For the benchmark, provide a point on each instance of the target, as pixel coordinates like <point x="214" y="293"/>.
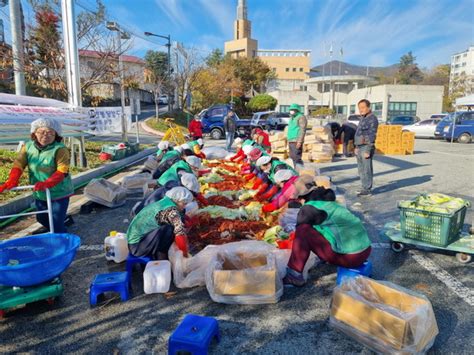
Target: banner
<point x="106" y="120"/>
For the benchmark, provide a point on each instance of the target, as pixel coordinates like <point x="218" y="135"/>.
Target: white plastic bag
<point x="135" y="183"/>
<point x="244" y="273"/>
<point x="215" y="152"/>
<point x="105" y="193"/>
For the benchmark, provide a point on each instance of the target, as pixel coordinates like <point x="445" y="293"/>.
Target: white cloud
<point x="222" y="12"/>
<point x="176" y="12"/>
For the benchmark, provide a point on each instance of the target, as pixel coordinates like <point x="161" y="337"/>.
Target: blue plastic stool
<point x="365" y="270"/>
<point x="133" y="260"/>
<point x="113" y="282"/>
<point x="194" y="335"/>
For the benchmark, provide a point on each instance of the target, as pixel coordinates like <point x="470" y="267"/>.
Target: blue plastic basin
<point x="32" y="260"/>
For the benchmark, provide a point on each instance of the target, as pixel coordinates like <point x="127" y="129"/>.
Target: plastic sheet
<point x="215" y="152"/>
<point x="135" y="183"/>
<point x="383" y="316"/>
<point x="287" y="219"/>
<point x="191" y="271"/>
<point x="105" y="193"/>
<point x="244" y="273"/>
<point x="151" y="164"/>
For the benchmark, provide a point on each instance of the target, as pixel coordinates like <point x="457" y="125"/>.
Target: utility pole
<point x="17" y="47"/>
<point x="72" y="56"/>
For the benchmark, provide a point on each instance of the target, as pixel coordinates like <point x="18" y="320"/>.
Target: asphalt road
<point x="298" y="324"/>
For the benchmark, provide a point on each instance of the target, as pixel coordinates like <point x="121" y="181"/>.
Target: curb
<point x="23" y="202"/>
<point x="150" y="130"/>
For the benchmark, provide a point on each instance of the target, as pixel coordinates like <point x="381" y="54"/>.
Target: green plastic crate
<point x="117" y="154"/>
<point x="432" y="227"/>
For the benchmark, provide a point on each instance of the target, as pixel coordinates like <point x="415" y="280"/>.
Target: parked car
<point x="355" y="119"/>
<point x="278" y="120"/>
<point x="260" y="119"/>
<point x="212" y="120"/>
<point x="163" y="100"/>
<point x="444" y="123"/>
<point x="463" y="126"/>
<point x="438" y="116"/>
<point x="403" y="120"/>
<point x="423" y="129"/>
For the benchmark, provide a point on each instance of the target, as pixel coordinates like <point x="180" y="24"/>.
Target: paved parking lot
<point x="299" y="322"/>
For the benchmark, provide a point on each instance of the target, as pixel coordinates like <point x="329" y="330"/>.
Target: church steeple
<point x="242" y="26"/>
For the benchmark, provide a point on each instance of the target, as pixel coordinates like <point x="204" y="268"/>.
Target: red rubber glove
<point x="201" y="155"/>
<point x="268" y="208"/>
<point x="261" y="190"/>
<point x="50" y="182"/>
<point x="182" y="244"/>
<point x="249" y="177"/>
<point x="238" y="157"/>
<point x="203" y="172"/>
<point x="202" y="200"/>
<point x="270" y="193"/>
<point x="13" y="179"/>
<point x="257" y="184"/>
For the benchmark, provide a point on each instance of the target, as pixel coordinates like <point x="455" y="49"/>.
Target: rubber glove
<point x="270" y="193"/>
<point x="13" y="179"/>
<point x="249" y="177"/>
<point x="257" y="184"/>
<point x="182" y="244"/>
<point x="261" y="190"/>
<point x="50" y="182"/>
<point x="268" y="208"/>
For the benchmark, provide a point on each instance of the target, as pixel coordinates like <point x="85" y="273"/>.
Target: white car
<point x="423" y="129"/>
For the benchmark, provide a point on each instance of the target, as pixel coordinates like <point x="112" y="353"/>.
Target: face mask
<point x="292" y="112"/>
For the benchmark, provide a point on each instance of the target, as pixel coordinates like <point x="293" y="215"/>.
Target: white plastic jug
<point x="157" y="277"/>
<point x="116" y="247"/>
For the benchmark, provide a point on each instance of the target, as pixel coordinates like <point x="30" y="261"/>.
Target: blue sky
<point x="371" y="32"/>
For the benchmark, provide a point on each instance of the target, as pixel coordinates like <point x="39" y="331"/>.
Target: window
<point x="303" y="88"/>
<point x="342" y="110"/>
<point x="377" y="108"/>
<point x="301" y="69"/>
<point x="286" y="108"/>
<point x="287" y="69"/>
<point x="401" y="109"/>
<point x="274" y="69"/>
<point x="216" y="112"/>
<point x="294" y="69"/>
<point x="352" y="109"/>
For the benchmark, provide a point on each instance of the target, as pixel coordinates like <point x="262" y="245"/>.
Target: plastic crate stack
<point x="392" y="141"/>
<point x="279" y="145"/>
<point x="319" y="145"/>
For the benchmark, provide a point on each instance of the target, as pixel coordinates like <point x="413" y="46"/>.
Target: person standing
<point x="364" y="142"/>
<point x="195" y="128"/>
<point x="230" y="127"/>
<point x="47" y="159"/>
<point x="295" y="135"/>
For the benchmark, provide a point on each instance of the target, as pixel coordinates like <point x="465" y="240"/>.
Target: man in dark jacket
<point x="348" y="130"/>
<point x="364" y="142"/>
<point x="230" y="127"/>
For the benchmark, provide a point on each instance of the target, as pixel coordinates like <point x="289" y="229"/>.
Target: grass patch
<point x="180" y="119"/>
<point x="93" y="149"/>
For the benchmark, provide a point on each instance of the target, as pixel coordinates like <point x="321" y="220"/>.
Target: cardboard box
<point x="279" y="136"/>
<point x="383" y="316"/>
<point x="279" y="145"/>
<point x="308" y="172"/>
<point x="281" y="156"/>
<point x="244" y="274"/>
<point x="306" y="157"/>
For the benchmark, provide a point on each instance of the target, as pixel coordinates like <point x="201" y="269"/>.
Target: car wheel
<point x="216" y="134"/>
<point x="464" y="138"/>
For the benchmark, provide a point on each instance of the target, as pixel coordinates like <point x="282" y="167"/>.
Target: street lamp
<point x="113" y="26"/>
<point x="168" y="38"/>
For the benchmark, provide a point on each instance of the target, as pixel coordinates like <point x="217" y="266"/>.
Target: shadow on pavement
<point x="416" y="180"/>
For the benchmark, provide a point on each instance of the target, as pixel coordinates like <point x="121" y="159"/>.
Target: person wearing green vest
<point x="168" y="159"/>
<point x="191" y="165"/>
<point x="329" y="230"/>
<point x="295" y="135"/>
<point x="158" y="224"/>
<point x="164" y="151"/>
<point x="196" y="147"/>
<point x="240" y="144"/>
<point x="265" y="185"/>
<point x="47" y="159"/>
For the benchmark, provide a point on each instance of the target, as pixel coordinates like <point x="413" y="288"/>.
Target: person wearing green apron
<point x="265" y="185"/>
<point x="196" y="147"/>
<point x="327" y="229"/>
<point x="295" y="135"/>
<point x="159" y="224"/>
<point x="47" y="159"/>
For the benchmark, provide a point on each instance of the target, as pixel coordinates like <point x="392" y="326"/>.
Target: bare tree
<point x="187" y="64"/>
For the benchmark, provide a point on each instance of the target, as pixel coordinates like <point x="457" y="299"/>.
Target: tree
<point x="252" y="72"/>
<point x="156" y="63"/>
<point x="439" y="75"/>
<point x="262" y="102"/>
<point x="408" y="71"/>
<point x="215" y="58"/>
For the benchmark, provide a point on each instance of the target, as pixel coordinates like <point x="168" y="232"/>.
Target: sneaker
<point x="293" y="278"/>
<point x="364" y="193"/>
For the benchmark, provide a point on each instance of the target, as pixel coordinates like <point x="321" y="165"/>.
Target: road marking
<point x="380" y="245"/>
<point x="455" y="154"/>
<point x="450" y="281"/>
<point x="92" y="247"/>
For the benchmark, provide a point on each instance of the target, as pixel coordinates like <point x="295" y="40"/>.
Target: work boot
<point x="293" y="278"/>
<point x="364" y="193"/>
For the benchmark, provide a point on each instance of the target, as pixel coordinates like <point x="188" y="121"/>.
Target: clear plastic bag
<point x="215" y="152"/>
<point x="105" y="193"/>
<point x="135" y="183"/>
<point x="287" y="219"/>
<point x="244" y="273"/>
<point x="383" y="316"/>
<point x="151" y="164"/>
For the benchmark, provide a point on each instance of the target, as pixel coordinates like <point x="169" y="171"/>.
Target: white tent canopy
<point x="465" y="101"/>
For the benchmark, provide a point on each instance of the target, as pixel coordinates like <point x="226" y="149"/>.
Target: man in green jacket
<point x="295" y="135"/>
